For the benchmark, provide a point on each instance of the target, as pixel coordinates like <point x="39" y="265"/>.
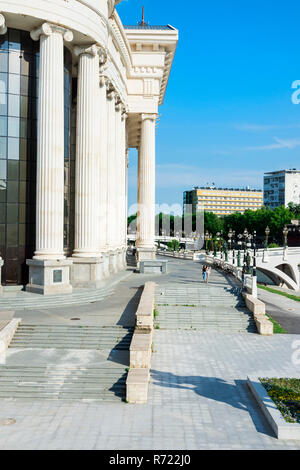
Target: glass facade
<point x="19" y="65"/>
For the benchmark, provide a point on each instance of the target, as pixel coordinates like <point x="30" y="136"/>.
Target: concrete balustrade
<point x="140" y="349"/>
<point x="144" y="314"/>
<point x="258" y="308"/>
<point x="7" y="333"/>
<point x="137" y="386"/>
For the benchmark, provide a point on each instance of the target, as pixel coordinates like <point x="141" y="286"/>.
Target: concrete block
<point x="137" y="386"/>
<point x="264" y="326"/>
<point x="87" y="272"/>
<point x="254" y="305"/>
<point x="154" y="267"/>
<point x="140" y="351"/>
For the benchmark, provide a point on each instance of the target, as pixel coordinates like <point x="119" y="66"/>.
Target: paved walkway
<point x="283" y="310"/>
<point x="198" y="396"/>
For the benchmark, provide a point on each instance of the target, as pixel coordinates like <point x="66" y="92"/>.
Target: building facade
<point x="221" y="201"/>
<point x="281" y="187"/>
<point x="77" y="90"/>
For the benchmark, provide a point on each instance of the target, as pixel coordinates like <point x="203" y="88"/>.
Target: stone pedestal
<point x="87" y="272"/>
<point x="121" y="263"/>
<point x="146" y="254"/>
<point x="1" y="264"/>
<point x="49" y="277"/>
<point x="153" y="267"/>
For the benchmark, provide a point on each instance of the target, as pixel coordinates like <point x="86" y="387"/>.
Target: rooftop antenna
<point x="143" y="23"/>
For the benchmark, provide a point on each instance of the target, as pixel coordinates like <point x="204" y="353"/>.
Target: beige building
<point x="221" y="201"/>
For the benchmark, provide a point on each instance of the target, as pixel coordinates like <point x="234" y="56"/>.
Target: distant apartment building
<point x="281" y="187"/>
<point x="221" y="201"/>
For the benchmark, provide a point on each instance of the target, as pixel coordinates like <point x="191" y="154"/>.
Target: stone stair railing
<point x="141" y="347"/>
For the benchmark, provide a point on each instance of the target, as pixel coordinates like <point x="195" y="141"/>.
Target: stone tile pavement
<point x="198" y="397"/>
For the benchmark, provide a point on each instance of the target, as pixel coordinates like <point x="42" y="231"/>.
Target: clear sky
<point x="228" y="115"/>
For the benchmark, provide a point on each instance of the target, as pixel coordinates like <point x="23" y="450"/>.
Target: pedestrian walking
<point x="208" y="272"/>
<point x="204" y="272"/>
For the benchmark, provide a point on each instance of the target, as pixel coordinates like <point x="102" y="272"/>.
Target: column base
<point x="87" y="272"/>
<point x="105" y="268"/>
<point x="113" y="262"/>
<point x="1" y="264"/>
<point x="49" y="277"/>
<point x="146" y="254"/>
<point x="154" y="267"/>
<point x="121" y="259"/>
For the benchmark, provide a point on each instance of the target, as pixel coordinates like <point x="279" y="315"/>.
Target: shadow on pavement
<point x="236" y="395"/>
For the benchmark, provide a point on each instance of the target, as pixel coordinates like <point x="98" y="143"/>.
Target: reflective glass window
<point x="12" y="213"/>
<point x="14" y="39"/>
<point x="12" y="235"/>
<point x="13" y="148"/>
<point x="13" y="127"/>
<point x="3" y="147"/>
<point x="12" y="191"/>
<point x="14" y="83"/>
<point x="12" y="169"/>
<point x="2" y="169"/>
<point x="14" y="105"/>
<point x="3" y="103"/>
<point x="14" y="62"/>
<point x="3" y="82"/>
<point x="3" y="126"/>
<point x="3" y="61"/>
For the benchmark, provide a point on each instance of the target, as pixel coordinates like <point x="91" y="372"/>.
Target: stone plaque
<point x="57" y="275"/>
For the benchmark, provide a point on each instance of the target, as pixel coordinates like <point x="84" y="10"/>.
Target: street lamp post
<point x="254" y="277"/>
<point x="240" y="236"/>
<point x="285" y="234"/>
<point x="245" y="246"/>
<point x="267" y="232"/>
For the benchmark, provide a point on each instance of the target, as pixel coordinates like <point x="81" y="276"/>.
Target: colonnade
<point x="100" y="230"/>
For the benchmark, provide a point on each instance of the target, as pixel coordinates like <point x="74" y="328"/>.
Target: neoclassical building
<point x="77" y="90"/>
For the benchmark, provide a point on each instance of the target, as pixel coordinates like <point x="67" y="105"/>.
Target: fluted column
<point x="146" y="189"/>
<point x="118" y="177"/>
<point x="50" y="144"/>
<point x="3" y="28"/>
<point x="111" y="151"/>
<point x="123" y="180"/>
<point x="87" y="155"/>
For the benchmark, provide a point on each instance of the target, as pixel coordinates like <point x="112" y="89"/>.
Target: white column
<point x="111" y="143"/>
<point x="118" y="176"/>
<point x="124" y="181"/>
<point x="146" y="189"/>
<point x="87" y="155"/>
<point x="103" y="177"/>
<point x="50" y="145"/>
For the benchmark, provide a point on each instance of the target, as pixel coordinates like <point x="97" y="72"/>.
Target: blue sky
<point x="228" y="115"/>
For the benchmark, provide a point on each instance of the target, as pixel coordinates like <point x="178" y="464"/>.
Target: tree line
<point x="251" y="220"/>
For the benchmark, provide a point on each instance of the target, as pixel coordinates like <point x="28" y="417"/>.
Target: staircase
<point x="26" y="300"/>
<point x="204" y="308"/>
<point x="105" y="383"/>
<point x="72" y="337"/>
<point x="83" y="365"/>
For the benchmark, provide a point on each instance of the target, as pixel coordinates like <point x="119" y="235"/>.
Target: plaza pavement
<point x="198" y="396"/>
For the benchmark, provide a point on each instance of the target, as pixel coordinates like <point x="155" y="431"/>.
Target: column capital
<point x="93" y="50"/>
<point x="152" y="117"/>
<point x="47" y="29"/>
<point x="3" y="28"/>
